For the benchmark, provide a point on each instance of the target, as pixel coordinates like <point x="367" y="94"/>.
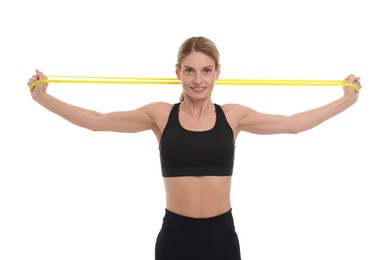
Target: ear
<point x="178" y="72"/>
<point x="218" y="71"/>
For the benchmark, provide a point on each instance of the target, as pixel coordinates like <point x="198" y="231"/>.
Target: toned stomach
<point x="198" y="196"/>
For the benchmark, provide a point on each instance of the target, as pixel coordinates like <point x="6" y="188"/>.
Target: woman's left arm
<point x="259" y="123"/>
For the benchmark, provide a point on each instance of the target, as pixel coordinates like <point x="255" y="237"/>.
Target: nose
<point x="198" y="80"/>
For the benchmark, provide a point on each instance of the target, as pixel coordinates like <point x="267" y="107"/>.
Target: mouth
<point x="198" y="89"/>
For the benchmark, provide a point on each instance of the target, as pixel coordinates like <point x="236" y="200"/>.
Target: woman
<point x="196" y="140"/>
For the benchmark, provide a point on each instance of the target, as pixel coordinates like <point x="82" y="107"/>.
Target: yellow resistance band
<point x="173" y="81"/>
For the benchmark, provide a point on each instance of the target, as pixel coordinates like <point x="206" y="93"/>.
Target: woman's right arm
<point x="133" y="121"/>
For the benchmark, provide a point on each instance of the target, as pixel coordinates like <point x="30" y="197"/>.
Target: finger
<point x="349" y="77"/>
<point x="357" y="83"/>
<point x="40" y="75"/>
<point x="352" y="78"/>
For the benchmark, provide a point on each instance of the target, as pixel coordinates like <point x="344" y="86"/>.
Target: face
<point x="197" y="74"/>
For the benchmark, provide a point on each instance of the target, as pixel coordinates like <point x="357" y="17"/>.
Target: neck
<point x="197" y="108"/>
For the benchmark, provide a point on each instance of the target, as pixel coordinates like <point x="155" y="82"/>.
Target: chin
<point x="199" y="97"/>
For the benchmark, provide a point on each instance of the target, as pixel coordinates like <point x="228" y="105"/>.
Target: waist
<point x="210" y="227"/>
<point x="198" y="197"/>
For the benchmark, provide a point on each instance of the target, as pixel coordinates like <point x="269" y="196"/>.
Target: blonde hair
<point x="199" y="44"/>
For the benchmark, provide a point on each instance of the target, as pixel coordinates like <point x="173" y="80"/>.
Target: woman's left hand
<point x="350" y="91"/>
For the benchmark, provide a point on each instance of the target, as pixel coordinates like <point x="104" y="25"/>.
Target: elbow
<point x="94" y="129"/>
<point x="300" y="128"/>
<point x="294" y="131"/>
<point x="290" y="125"/>
<point x="95" y="122"/>
<point x="296" y="126"/>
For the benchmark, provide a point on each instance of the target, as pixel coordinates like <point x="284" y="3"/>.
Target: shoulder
<point x="156" y="107"/>
<point x="157" y="110"/>
<point x="236" y="110"/>
<point x="235" y="114"/>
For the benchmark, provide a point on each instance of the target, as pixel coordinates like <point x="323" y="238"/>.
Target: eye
<point x="188" y="71"/>
<point x="206" y="71"/>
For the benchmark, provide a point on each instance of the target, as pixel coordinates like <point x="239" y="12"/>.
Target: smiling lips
<point x="198" y="89"/>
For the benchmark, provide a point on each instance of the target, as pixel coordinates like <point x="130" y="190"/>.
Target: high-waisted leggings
<point x="185" y="238"/>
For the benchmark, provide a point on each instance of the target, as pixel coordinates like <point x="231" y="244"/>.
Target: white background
<point x="69" y="193"/>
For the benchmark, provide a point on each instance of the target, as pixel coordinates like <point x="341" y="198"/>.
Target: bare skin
<point x="205" y="196"/>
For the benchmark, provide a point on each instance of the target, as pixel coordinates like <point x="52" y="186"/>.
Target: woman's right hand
<point x="40" y="88"/>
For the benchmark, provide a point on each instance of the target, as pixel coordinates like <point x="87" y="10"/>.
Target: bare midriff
<point x="198" y="196"/>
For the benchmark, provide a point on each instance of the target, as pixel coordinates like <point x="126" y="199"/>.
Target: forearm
<point x="76" y="115"/>
<point x="311" y="118"/>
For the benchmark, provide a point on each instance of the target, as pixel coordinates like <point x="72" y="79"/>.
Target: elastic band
<point x="173" y="81"/>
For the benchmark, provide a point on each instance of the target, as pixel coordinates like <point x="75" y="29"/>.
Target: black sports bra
<point x="197" y="153"/>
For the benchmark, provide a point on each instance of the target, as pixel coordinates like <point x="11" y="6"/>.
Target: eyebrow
<point x="206" y="67"/>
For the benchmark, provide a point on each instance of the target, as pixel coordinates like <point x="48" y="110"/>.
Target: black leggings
<point x="184" y="238"/>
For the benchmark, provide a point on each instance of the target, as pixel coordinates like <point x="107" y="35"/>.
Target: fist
<point x="39" y="88"/>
